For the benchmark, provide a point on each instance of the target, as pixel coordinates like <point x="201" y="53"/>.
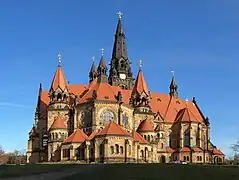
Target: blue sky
<point x="199" y="40"/>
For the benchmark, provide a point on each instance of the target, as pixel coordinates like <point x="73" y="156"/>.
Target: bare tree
<point x="1" y="150"/>
<point x="235" y="147"/>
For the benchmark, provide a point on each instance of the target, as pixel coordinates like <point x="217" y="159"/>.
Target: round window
<point x="107" y="116"/>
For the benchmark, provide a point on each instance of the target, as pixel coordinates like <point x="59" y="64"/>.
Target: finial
<point x="140" y="64"/>
<point x="93" y="59"/>
<point x="186" y="100"/>
<point x="119" y="15"/>
<point x="59" y="59"/>
<point x="102" y="51"/>
<point x="172" y="73"/>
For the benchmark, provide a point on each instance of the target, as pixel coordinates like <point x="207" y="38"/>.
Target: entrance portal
<point x="163" y="159"/>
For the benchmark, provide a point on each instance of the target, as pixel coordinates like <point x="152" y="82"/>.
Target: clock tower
<point x="120" y="70"/>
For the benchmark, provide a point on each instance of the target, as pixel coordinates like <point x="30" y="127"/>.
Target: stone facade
<point x="117" y="122"/>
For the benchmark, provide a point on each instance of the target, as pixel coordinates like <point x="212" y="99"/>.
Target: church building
<point x="117" y="119"/>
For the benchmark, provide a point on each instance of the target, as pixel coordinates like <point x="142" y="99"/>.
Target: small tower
<point x="58" y="91"/>
<point x="93" y="70"/>
<point x="102" y="70"/>
<point x="140" y="97"/>
<point x="173" y="87"/>
<point x="120" y="70"/>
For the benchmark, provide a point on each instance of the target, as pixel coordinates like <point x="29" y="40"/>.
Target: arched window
<point x="186" y="138"/>
<point x="187" y="158"/>
<point x="59" y="97"/>
<point x="101" y="149"/>
<point x="158" y="135"/>
<point x="129" y="149"/>
<point x="112" y="149"/>
<point x="161" y="145"/>
<point x="194" y="139"/>
<point x="52" y="136"/>
<point x="148" y="137"/>
<point x="121" y="150"/>
<point x="117" y="149"/>
<point x="197" y="158"/>
<point x="184" y="158"/>
<point x="142" y="154"/>
<point x="200" y="158"/>
<point x="56" y="136"/>
<point x="145" y="137"/>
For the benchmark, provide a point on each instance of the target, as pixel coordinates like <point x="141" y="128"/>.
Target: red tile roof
<point x="113" y="129"/>
<point x="185" y="149"/>
<point x="59" y="80"/>
<point x="185" y="115"/>
<point x="59" y="123"/>
<point x="145" y="126"/>
<point x="217" y="152"/>
<point x="170" y="150"/>
<point x="197" y="149"/>
<point x="77" y="89"/>
<point x="140" y="84"/>
<point x="138" y="138"/>
<point x="76" y="137"/>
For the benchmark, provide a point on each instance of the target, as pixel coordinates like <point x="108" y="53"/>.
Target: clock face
<point x="122" y="76"/>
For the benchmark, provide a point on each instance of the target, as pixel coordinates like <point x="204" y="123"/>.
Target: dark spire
<point x="93" y="70"/>
<point x="120" y="73"/>
<point x="102" y="69"/>
<point x="119" y="49"/>
<point x="173" y="87"/>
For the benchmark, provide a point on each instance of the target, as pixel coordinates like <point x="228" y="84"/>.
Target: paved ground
<point x="57" y="175"/>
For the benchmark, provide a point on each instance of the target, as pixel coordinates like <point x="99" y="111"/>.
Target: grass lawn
<point x="128" y="171"/>
<point x="159" y="171"/>
<point x="30" y="169"/>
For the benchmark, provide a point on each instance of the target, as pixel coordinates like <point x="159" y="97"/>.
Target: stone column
<point x="137" y="152"/>
<point x="93" y="116"/>
<point x="200" y="137"/>
<point x="97" y="157"/>
<point x="62" y="154"/>
<point x="87" y="152"/>
<point x="72" y="153"/>
<point x="106" y="150"/>
<point x="181" y="136"/>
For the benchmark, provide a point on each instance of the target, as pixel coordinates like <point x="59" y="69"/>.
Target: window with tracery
<point x="186" y="138"/>
<point x="125" y="120"/>
<point x="107" y="116"/>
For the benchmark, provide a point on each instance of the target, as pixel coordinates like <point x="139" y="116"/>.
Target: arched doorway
<point x="163" y="159"/>
<point x="217" y="160"/>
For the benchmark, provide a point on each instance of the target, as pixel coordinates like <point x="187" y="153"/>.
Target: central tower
<point x="120" y="70"/>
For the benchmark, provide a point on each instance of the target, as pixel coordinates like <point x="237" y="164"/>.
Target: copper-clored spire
<point x="140" y="96"/>
<point x="59" y="80"/>
<point x="140" y="86"/>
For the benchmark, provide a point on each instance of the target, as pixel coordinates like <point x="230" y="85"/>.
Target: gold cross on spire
<point x="102" y="51"/>
<point x="59" y="59"/>
<point x="140" y="64"/>
<point x="119" y="15"/>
